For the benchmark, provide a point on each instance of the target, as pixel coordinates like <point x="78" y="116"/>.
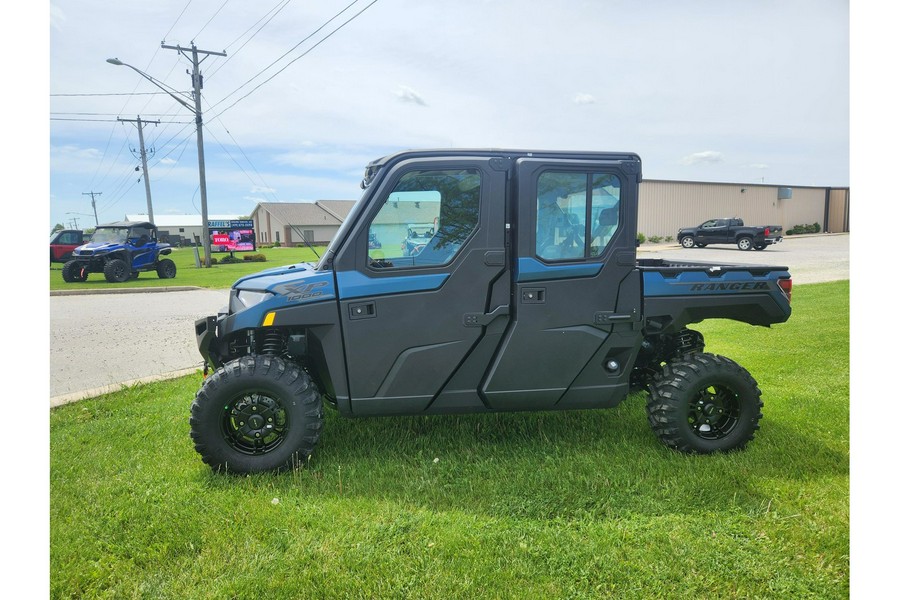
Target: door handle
<point x="484" y="319"/>
<point x="362" y="310"/>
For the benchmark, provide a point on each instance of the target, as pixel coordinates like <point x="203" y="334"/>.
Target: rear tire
<point x="704" y="403"/>
<point x="116" y="271"/>
<point x="166" y="269"/>
<point x="745" y="243"/>
<point x="761" y="246"/>
<point x="256" y="413"/>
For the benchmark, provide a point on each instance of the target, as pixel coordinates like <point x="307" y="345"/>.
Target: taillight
<point x="766" y="232"/>
<point x="787" y="286"/>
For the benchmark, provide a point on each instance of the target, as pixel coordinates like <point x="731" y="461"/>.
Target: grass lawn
<point x="536" y="505"/>
<point x="215" y="277"/>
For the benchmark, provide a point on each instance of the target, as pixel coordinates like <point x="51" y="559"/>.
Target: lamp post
<point x="198" y="117"/>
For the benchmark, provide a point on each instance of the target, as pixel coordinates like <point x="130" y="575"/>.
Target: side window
<point x="577" y="214"/>
<point x="709" y="224"/>
<point x="140" y="235"/>
<point x="425" y="219"/>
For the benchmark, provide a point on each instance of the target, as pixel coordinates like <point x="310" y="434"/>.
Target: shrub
<point x="669" y="238"/>
<point x="654" y="239"/>
<point x="800" y="229"/>
<point x="229" y="260"/>
<point x="255" y="257"/>
<point x="641" y="238"/>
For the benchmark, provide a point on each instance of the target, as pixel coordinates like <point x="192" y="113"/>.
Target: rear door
<point x="422" y="305"/>
<point x="576" y="292"/>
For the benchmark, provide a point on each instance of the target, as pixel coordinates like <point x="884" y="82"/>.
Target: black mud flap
<point x="205" y="329"/>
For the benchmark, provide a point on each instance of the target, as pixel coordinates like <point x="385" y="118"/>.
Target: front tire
<point x="687" y="241"/>
<point x="704" y="403"/>
<point x="116" y="271"/>
<point x="745" y="244"/>
<point x="166" y="269"/>
<point x="256" y="413"/>
<point x="73" y="272"/>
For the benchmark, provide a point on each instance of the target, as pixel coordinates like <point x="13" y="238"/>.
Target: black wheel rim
<point x="254" y="424"/>
<point x="714" y="412"/>
<point x="119" y="273"/>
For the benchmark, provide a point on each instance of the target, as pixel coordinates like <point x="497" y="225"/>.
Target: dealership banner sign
<point x="232" y="236"/>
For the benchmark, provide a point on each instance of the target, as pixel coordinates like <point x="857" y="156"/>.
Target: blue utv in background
<point x="121" y="251"/>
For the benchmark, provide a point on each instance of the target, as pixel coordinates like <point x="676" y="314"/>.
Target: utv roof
<point x="376" y="165"/>
<point x="129" y="224"/>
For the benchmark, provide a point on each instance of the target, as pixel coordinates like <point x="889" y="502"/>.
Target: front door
<point x="424" y="287"/>
<point x="714" y="231"/>
<point x="576" y="316"/>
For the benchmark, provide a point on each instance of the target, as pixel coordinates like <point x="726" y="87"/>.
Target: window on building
<point x="577" y="214"/>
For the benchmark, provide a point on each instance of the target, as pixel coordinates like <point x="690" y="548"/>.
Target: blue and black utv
<point x="121" y="251"/>
<point x="528" y="295"/>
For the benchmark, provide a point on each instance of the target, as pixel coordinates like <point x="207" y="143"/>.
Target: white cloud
<point x="581" y="98"/>
<point x="707" y="157"/>
<point x="167" y="161"/>
<point x="757" y="166"/>
<point x="407" y="94"/>
<point x="259" y="189"/>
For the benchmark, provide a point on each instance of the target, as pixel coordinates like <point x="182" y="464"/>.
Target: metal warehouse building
<point x="665" y="206"/>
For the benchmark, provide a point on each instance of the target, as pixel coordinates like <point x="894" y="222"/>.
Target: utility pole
<point x="93" y="204"/>
<point x="197" y="79"/>
<point x="140" y="128"/>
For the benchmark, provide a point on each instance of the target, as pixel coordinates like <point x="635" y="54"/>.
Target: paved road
<point x="811" y="259"/>
<point x="98" y="342"/>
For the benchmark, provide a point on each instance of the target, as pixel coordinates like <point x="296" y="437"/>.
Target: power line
<point x="210" y="20"/>
<point x="91" y="114"/>
<point x="112" y="94"/>
<point x="183" y="10"/>
<point x="110" y="121"/>
<point x="344" y="24"/>
<point x="282" y="3"/>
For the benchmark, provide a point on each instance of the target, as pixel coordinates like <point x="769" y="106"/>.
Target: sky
<point x="310" y="91"/>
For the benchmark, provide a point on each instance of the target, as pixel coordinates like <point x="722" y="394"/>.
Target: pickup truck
<point x="63" y="242"/>
<point x="528" y="296"/>
<point x="730" y="231"/>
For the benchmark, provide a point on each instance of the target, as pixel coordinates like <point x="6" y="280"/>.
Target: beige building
<point x="666" y="206"/>
<point x="298" y="223"/>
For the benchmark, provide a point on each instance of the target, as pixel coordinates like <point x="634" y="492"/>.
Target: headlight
<point x="248" y="298"/>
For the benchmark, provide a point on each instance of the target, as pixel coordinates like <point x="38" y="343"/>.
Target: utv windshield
<point x="105" y="235"/>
